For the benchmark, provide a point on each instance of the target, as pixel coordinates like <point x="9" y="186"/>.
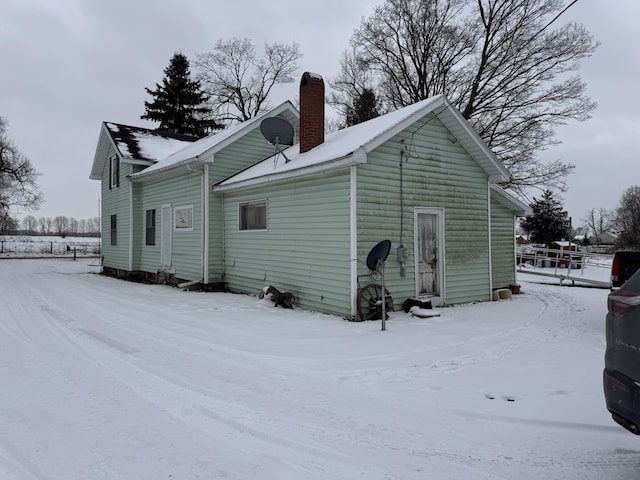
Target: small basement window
<point x="253" y="215"/>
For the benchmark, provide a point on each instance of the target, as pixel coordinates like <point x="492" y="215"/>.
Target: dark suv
<point x="621" y="375"/>
<point x="624" y="265"/>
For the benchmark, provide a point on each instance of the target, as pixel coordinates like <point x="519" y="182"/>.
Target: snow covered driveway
<point x="105" y="379"/>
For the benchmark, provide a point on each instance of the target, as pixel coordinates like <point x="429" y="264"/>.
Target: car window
<point x="633" y="283"/>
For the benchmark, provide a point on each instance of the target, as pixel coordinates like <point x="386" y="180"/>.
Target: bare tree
<point x="93" y="225"/>
<point x="18" y="178"/>
<point x="45" y="224"/>
<point x="239" y="81"/>
<point x="73" y="225"/>
<point x="354" y="79"/>
<point x="628" y="218"/>
<point x="598" y="222"/>
<point x="30" y="224"/>
<point x="62" y="224"/>
<point x="8" y="225"/>
<point x="504" y="64"/>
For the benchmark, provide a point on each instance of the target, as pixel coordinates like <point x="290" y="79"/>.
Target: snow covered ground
<point x="105" y="379"/>
<point x="47" y="245"/>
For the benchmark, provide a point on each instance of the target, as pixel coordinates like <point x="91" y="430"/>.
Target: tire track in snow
<point x="198" y="406"/>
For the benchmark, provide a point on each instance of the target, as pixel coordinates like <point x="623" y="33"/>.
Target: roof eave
<point x="516" y="206"/>
<point x="354" y="158"/>
<point x="249" y="125"/>
<point x="473" y="143"/>
<point x="98" y="163"/>
<point x="144" y="175"/>
<point x="378" y="140"/>
<point x="210" y="152"/>
<point x="443" y="110"/>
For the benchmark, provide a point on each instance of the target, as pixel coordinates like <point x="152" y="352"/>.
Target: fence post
<point x="51" y="248"/>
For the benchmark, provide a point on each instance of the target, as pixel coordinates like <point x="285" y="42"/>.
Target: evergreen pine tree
<point x="549" y="222"/>
<point x="179" y="104"/>
<point x="364" y="108"/>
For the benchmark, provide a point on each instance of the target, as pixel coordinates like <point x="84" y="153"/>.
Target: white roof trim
<point x="512" y="203"/>
<point x="354" y="158"/>
<point x="340" y="143"/>
<point x="203" y="150"/>
<point x="98" y="165"/>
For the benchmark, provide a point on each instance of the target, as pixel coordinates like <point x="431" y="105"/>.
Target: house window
<point x="114" y="231"/>
<point x="253" y="215"/>
<point x="150" y="227"/>
<point x="114" y="172"/>
<point x="183" y="218"/>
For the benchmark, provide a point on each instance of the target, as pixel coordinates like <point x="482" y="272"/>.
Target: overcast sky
<point x="68" y="65"/>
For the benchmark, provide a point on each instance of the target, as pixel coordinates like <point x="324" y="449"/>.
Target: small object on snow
<point x="502" y="294"/>
<point x="284" y="299"/>
<point x="412" y="302"/>
<point x="423" y="312"/>
<point x="506" y="398"/>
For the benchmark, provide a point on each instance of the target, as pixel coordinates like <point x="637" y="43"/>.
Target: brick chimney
<point x="311" y="111"/>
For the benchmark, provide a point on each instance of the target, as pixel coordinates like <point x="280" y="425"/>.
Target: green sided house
<point x="230" y="208"/>
<point x="420" y="177"/>
<point x="159" y="218"/>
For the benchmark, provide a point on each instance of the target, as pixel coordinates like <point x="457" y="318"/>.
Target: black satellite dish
<point x="277" y="131"/>
<point x="375" y="261"/>
<point x="378" y="255"/>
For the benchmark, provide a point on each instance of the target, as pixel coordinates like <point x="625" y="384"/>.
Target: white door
<point x="428" y="252"/>
<point x="165" y="238"/>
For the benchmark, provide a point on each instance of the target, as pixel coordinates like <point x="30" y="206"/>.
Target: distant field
<point x="37" y="246"/>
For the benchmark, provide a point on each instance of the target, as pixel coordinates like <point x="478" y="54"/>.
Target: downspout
<point x="401" y="250"/>
<point x="353" y="239"/>
<point x="205" y="224"/>
<point x="224" y="236"/>
<point x="130" y="224"/>
<point x="490" y="240"/>
<point x="515" y="250"/>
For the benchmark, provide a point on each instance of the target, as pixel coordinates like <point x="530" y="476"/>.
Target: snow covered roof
<point x="204" y="149"/>
<point x="135" y="145"/>
<point x="143" y="144"/>
<point x="564" y="243"/>
<point x="350" y="146"/>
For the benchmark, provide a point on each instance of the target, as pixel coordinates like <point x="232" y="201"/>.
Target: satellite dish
<point x="378" y="255"/>
<point x="375" y="262"/>
<point x="277" y="131"/>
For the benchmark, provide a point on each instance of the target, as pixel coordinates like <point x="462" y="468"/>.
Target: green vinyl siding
<point x="305" y="249"/>
<point x="244" y="152"/>
<point x="186" y="246"/>
<point x="115" y="201"/>
<point x="436" y="173"/>
<point x="502" y="246"/>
